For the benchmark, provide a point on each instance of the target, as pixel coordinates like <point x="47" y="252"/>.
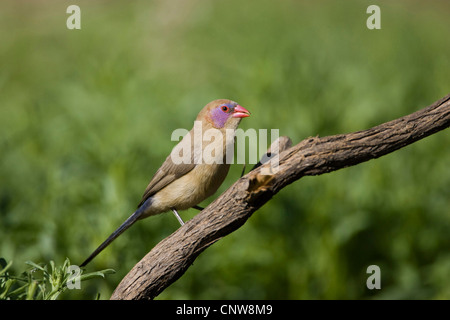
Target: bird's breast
<point x="190" y="189"/>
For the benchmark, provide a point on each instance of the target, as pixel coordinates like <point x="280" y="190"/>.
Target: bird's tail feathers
<point x="124" y="226"/>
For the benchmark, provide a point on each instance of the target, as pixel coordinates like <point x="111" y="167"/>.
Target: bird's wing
<point x="167" y="173"/>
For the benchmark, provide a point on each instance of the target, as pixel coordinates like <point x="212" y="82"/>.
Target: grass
<point x="86" y="117"/>
<point x="43" y="282"/>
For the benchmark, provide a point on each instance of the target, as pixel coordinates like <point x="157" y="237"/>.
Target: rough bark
<point x="170" y="258"/>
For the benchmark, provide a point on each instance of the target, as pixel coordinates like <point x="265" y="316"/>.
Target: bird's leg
<point x="177" y="216"/>
<point x="198" y="208"/>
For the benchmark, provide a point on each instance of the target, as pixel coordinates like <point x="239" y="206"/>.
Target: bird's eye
<point x="225" y="108"/>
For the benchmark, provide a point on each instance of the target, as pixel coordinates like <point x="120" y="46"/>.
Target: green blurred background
<point x="86" y="117"/>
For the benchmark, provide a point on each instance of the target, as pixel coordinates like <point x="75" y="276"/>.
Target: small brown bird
<point x="180" y="185"/>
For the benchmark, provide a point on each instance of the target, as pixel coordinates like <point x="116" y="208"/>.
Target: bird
<point x="180" y="185"/>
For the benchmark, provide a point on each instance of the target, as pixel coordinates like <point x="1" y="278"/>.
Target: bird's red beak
<point x="240" y="112"/>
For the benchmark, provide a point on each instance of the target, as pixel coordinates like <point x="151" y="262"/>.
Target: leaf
<point x="97" y="274"/>
<point x="4" y="265"/>
<point x="35" y="265"/>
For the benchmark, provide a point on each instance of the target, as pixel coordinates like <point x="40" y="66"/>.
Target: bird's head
<point x="223" y="114"/>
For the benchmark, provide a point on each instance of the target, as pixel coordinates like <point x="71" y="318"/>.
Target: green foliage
<point x="86" y="118"/>
<point x="42" y="281"/>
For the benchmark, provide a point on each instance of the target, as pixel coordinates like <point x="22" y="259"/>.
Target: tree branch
<point x="170" y="258"/>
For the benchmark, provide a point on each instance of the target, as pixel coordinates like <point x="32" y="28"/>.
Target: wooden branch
<point x="170" y="258"/>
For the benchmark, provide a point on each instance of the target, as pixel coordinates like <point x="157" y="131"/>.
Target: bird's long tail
<point x="124" y="226"/>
